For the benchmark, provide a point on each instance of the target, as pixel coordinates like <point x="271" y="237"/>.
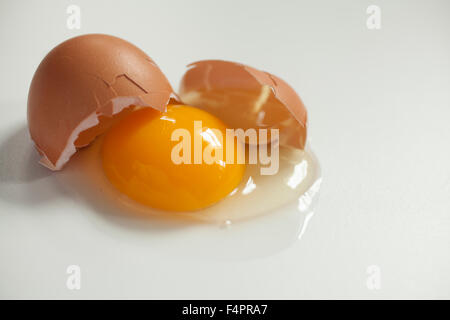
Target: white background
<point x="379" y="111"/>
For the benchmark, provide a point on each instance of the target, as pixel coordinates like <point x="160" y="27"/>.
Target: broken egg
<point x="235" y="149"/>
<point x="294" y="188"/>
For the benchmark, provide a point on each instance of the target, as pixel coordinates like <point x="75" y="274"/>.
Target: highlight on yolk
<point x="137" y="159"/>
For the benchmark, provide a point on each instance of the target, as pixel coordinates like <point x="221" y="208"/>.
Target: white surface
<point x="379" y="110"/>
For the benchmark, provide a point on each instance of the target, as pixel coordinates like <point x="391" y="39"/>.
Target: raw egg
<point x="231" y="146"/>
<point x="294" y="187"/>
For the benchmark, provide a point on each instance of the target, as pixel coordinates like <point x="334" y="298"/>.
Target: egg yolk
<point x="141" y="158"/>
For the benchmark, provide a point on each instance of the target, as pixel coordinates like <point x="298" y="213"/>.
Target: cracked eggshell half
<point x="81" y="84"/>
<point x="244" y="97"/>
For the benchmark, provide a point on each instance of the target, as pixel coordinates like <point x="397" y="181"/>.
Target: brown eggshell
<point x="81" y="84"/>
<point x="244" y="97"/>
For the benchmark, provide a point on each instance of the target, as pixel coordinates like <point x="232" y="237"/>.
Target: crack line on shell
<point x="122" y="75"/>
<point x="96" y="100"/>
<point x="275" y="84"/>
<point x="113" y="91"/>
<point x="152" y="62"/>
<point x="129" y="79"/>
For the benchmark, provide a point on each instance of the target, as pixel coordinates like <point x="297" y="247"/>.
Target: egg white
<point x="294" y="186"/>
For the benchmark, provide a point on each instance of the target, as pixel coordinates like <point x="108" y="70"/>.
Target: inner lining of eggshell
<point x="92" y="126"/>
<point x="104" y="123"/>
<point x="119" y="108"/>
<point x="243" y="108"/>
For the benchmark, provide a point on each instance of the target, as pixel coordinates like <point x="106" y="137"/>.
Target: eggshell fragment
<point x="244" y="97"/>
<point x="81" y="84"/>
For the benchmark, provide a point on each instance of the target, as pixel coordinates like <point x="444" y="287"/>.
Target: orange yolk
<point x="140" y="156"/>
